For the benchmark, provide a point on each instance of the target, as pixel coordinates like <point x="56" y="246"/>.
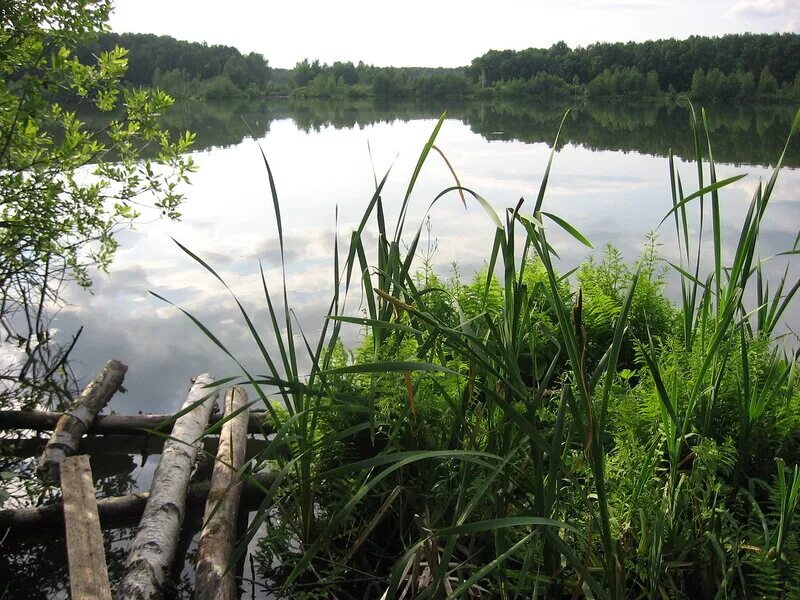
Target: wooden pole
<point x="88" y="574"/>
<point x="123" y="445"/>
<point x="119" y="511"/>
<point x="73" y="424"/>
<point x="116" y="424"/>
<point x="153" y="548"/>
<point x="213" y="579"/>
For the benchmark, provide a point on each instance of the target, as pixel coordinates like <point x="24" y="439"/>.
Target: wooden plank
<point x="72" y="425"/>
<point x="88" y="573"/>
<point x="153" y="548"/>
<point x="213" y="579"/>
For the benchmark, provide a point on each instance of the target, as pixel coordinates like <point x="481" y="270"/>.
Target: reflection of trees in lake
<point x="33" y="565"/>
<point x="36" y="567"/>
<point x="228" y="123"/>
<point x="751" y="134"/>
<point x="740" y="134"/>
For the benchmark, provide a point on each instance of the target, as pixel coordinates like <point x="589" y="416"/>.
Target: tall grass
<point x="472" y="446"/>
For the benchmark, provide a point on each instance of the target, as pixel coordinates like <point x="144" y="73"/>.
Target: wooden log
<point x="73" y="424"/>
<point x="153" y="548"/>
<point x="122" y="445"/>
<point x="88" y="573"/>
<point x="120" y="511"/>
<point x="116" y="424"/>
<point x="213" y="579"/>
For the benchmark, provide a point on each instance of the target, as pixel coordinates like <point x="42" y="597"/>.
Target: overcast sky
<point x="439" y="33"/>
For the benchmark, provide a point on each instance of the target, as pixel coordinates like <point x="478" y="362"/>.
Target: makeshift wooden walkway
<point x="160" y="513"/>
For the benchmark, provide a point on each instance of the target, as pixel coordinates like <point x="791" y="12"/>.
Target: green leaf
<point x="569" y="229"/>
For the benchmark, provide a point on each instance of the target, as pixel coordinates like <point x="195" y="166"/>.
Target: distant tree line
<point x="731" y="67"/>
<point x="186" y="69"/>
<point x="345" y="79"/>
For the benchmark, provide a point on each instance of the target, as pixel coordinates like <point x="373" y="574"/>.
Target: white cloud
<point x="759" y="8"/>
<point x="624" y="4"/>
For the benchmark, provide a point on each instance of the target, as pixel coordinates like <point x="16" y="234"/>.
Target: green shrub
<point x="221" y="88"/>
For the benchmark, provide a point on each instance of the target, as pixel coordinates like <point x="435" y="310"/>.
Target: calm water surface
<point x="609" y="179"/>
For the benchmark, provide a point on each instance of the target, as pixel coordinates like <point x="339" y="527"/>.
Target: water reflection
<point x="609" y="179"/>
<point x="752" y="134"/>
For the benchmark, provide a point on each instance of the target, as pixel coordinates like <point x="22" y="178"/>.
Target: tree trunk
<point x="115" y="424"/>
<point x="73" y="424"/>
<point x="153" y="548"/>
<point x="213" y="579"/>
<point x="119" y="511"/>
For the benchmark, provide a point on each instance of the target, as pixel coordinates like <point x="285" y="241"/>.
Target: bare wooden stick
<point x="115" y="424"/>
<point x="119" y="511"/>
<point x="73" y="424"/>
<point x="88" y="573"/>
<point x="213" y="579"/>
<point x="153" y="548"/>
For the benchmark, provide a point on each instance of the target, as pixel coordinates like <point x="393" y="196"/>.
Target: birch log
<point x="73" y="424"/>
<point x="213" y="579"/>
<point x="153" y="548"/>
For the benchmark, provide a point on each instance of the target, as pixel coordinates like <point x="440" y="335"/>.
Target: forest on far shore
<point x="736" y="67"/>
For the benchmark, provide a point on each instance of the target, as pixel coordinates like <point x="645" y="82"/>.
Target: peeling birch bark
<point x="73" y="424"/>
<point x="153" y="548"/>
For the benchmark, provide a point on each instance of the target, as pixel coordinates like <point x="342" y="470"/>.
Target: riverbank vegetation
<point x="531" y="433"/>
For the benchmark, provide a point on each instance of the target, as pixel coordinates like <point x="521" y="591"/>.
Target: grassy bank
<point x="530" y="433"/>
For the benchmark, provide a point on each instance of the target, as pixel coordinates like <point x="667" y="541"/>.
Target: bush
<point x="221" y="88"/>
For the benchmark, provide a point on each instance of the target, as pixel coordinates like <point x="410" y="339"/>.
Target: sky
<point x="439" y="33"/>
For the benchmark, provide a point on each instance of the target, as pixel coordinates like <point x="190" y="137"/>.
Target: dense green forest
<point x="728" y="68"/>
<point x="722" y="67"/>
<point x="190" y="69"/>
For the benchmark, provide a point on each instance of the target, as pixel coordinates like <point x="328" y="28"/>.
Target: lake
<point x="609" y="179"/>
